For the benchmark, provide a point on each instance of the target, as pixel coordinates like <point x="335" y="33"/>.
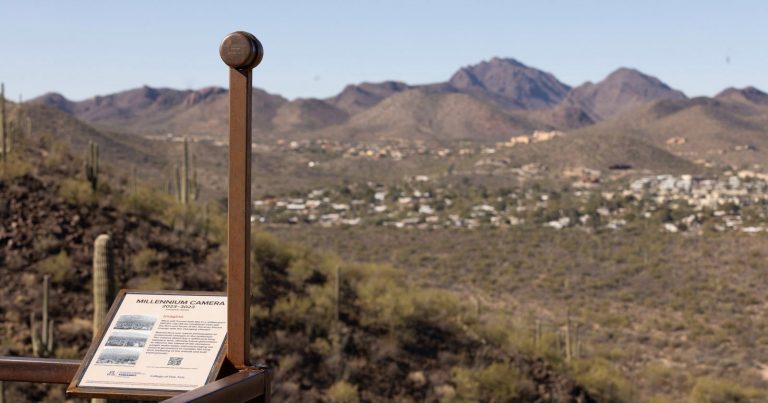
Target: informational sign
<point x="155" y="344"/>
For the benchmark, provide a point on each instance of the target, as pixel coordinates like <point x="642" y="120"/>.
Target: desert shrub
<point x="190" y="217"/>
<point x="143" y="260"/>
<point x="76" y="191"/>
<point x="292" y="310"/>
<point x="384" y="299"/>
<point x="498" y="382"/>
<point x="273" y="262"/>
<point x="147" y="201"/>
<point x="59" y="266"/>
<point x="467" y="387"/>
<point x="514" y="336"/>
<point x="408" y="312"/>
<point x="46" y="244"/>
<point x="259" y="312"/>
<point x="286" y="364"/>
<point x="661" y="399"/>
<point x="323" y="311"/>
<point x="322" y="347"/>
<point x="14" y="167"/>
<point x="303" y="267"/>
<point x="268" y="254"/>
<point x="603" y="380"/>
<point x="715" y="390"/>
<point x="59" y="155"/>
<point x="523" y="340"/>
<point x="67" y="352"/>
<point x="439" y="306"/>
<point x="310" y="313"/>
<point x="658" y="373"/>
<point x="343" y="392"/>
<point x="306" y="264"/>
<point x="151" y="282"/>
<point x="216" y="223"/>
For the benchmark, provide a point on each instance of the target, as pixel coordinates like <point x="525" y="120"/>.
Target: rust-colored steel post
<point x="242" y="52"/>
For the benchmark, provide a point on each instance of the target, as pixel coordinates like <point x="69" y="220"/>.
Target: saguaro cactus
<point x="3" y="131"/>
<point x="177" y="181"/>
<point x="42" y="343"/>
<point x="568" y="340"/>
<point x="103" y="284"/>
<point x="10" y="133"/>
<point x="169" y="180"/>
<point x="194" y="185"/>
<point x="92" y="164"/>
<point x="185" y="174"/>
<point x="103" y="279"/>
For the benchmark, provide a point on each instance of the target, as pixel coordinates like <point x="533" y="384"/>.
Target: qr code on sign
<point x="175" y="360"/>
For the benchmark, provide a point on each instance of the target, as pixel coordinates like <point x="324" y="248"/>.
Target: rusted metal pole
<point x="242" y="52"/>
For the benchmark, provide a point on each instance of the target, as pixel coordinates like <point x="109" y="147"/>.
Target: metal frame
<point x="238" y="380"/>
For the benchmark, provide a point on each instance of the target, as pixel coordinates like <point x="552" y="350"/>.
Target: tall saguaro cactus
<point x="10" y="132"/>
<point x="185" y="174"/>
<point x="103" y="279"/>
<point x="177" y="181"/>
<point x="42" y="343"/>
<point x="568" y="340"/>
<point x="92" y="164"/>
<point x="186" y="188"/>
<point x="3" y="131"/>
<point x="194" y="186"/>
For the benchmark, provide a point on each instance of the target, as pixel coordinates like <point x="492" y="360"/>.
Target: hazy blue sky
<point x="314" y="48"/>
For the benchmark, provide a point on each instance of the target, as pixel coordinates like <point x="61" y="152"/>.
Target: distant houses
<point x="420" y="202"/>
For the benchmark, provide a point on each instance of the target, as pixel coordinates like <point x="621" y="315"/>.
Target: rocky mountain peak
<point x="510" y="83"/>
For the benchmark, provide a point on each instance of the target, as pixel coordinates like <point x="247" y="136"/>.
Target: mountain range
<point x="487" y="102"/>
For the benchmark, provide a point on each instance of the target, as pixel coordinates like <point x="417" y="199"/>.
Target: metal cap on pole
<point x="242" y="52"/>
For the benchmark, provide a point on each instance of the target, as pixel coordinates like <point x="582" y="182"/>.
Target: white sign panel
<point x="157" y="341"/>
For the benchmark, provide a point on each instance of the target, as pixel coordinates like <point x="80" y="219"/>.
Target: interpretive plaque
<point x="155" y="344"/>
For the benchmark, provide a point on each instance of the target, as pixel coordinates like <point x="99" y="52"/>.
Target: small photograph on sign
<point x="119" y="355"/>
<point x="136" y="322"/>
<point x="128" y="339"/>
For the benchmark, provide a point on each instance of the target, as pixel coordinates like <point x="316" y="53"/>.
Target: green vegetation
<point x="353" y="322"/>
<point x="343" y="392"/>
<point x="714" y="390"/>
<point x="604" y="380"/>
<point x="433" y="314"/>
<point x="147" y="201"/>
<point x="144" y="261"/>
<point x="76" y="191"/>
<point x="59" y="267"/>
<point x="654" y="309"/>
<point x="15" y="167"/>
<point x="497" y="382"/>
